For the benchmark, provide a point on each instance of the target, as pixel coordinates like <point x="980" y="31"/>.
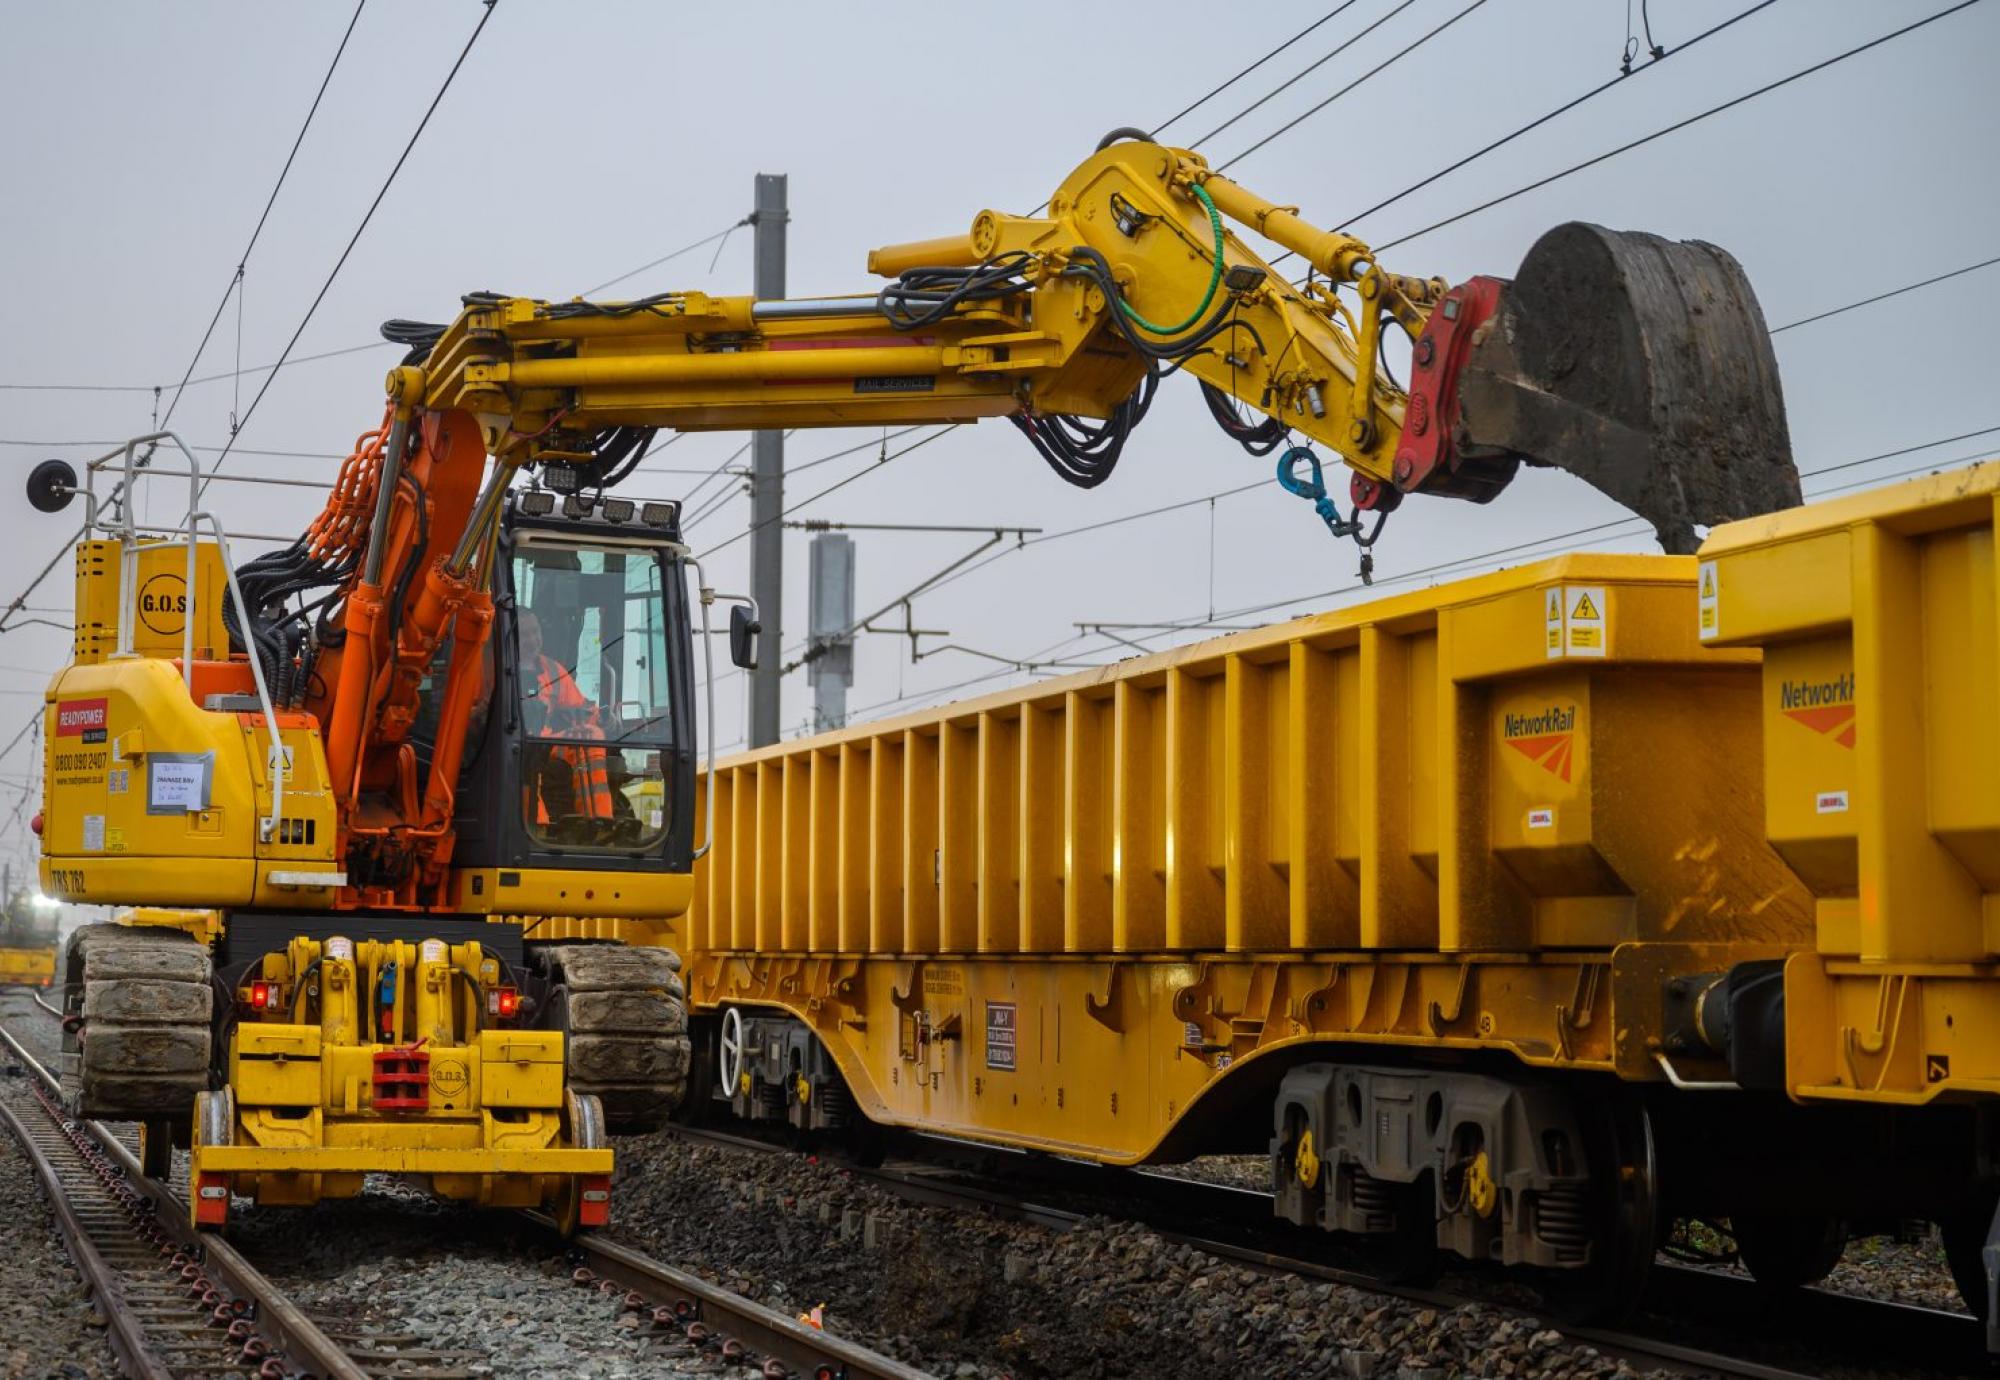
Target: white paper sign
<point x="93" y="833"/>
<point x="176" y="785"/>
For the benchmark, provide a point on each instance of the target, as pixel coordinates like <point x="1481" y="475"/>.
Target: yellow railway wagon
<point x="1879" y="621"/>
<point x="1516" y="918"/>
<point x="1372" y="890"/>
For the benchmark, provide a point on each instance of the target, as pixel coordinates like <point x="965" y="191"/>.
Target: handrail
<point x="126" y="529"/>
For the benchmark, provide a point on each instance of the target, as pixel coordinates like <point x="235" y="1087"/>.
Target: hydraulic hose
<point x="1214" y="276"/>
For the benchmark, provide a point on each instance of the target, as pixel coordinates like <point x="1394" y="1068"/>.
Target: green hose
<point x="1214" y="277"/>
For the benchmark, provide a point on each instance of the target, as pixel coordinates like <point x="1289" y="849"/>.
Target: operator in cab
<point x="570" y="782"/>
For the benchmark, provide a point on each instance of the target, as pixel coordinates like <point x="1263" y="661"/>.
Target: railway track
<point x="1743" y="1326"/>
<point x="183" y="1304"/>
<point x="174" y="1306"/>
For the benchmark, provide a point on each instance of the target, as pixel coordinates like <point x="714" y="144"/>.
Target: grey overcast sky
<point x="583" y="139"/>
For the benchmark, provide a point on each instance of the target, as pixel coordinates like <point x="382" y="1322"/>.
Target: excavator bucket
<point x="1643" y="366"/>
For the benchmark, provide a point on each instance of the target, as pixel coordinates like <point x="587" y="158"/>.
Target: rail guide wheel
<point x="214" y="1124"/>
<point x="583" y="1129"/>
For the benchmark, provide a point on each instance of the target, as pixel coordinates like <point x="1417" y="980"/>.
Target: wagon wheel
<point x="729" y="1051"/>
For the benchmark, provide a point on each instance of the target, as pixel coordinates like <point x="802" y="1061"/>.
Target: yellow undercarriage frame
<point x="391" y="1057"/>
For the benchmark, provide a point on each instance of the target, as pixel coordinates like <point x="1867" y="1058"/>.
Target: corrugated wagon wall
<point x="1541" y="758"/>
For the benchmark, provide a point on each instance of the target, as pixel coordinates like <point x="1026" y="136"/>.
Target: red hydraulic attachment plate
<point x="402" y="1079"/>
<point x="1432" y="412"/>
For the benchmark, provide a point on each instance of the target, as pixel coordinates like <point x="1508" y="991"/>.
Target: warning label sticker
<point x="1710" y="613"/>
<point x="1542" y="817"/>
<point x="93" y="833"/>
<point x="1577" y="621"/>
<point x="1830" y="802"/>
<point x="1585" y="626"/>
<point x="1000" y="1035"/>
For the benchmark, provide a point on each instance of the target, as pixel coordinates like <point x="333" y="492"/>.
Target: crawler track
<point x="1694" y="1320"/>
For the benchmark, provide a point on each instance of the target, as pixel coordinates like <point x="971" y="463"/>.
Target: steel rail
<point x="727" y="1316"/>
<point x="284" y="1326"/>
<point x="122" y="1329"/>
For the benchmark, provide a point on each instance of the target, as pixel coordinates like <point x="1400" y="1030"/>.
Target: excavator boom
<point x="1641" y="365"/>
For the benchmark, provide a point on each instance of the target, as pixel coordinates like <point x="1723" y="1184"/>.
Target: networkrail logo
<point x="1824" y="706"/>
<point x="1547" y="739"/>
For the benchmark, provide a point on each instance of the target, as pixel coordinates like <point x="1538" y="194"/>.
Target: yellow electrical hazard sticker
<point x="1709" y="602"/>
<point x="1577" y="621"/>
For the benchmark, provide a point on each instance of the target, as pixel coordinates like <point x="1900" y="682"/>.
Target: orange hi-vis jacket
<point x="589" y="766"/>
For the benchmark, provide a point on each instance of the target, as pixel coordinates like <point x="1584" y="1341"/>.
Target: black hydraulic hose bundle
<point x="923" y="297"/>
<point x="1260" y="439"/>
<point x="1085" y="452"/>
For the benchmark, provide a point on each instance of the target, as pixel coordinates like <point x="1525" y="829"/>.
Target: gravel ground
<point x="454" y="1279"/>
<point x="969" y="1295"/>
<point x="1881" y="1267"/>
<point x="1234" y="1171"/>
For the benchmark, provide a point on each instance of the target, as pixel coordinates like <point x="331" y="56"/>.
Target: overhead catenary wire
<point x="1379" y="67"/>
<point x="1885" y="296"/>
<point x="485" y="16"/>
<point x="1679" y="125"/>
<point x="879" y="444"/>
<point x="842" y="483"/>
<point x="721" y="234"/>
<point x="1573" y="103"/>
<point x="243" y="259"/>
<point x="323" y="354"/>
<point x="1480" y="558"/>
<point x="1301" y="75"/>
<point x="1221" y="87"/>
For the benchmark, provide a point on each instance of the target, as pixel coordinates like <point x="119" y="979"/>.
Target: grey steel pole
<point x="767" y="480"/>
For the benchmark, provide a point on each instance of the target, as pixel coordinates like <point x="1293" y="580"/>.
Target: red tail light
<point x="260" y="996"/>
<point x="503" y="1002"/>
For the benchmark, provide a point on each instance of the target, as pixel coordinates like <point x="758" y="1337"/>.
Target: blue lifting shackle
<point x="1314" y="489"/>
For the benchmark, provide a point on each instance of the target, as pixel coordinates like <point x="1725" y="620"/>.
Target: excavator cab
<point x="581" y="756"/>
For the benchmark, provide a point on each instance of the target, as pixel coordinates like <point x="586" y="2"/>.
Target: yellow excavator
<point x="397" y="813"/>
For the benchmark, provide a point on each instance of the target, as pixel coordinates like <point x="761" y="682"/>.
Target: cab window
<point x="590" y="633"/>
